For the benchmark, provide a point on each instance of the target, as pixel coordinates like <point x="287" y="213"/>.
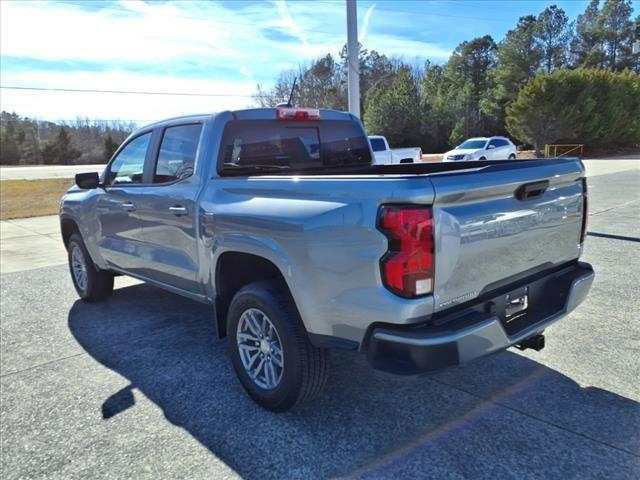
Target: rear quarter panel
<point x="321" y="233"/>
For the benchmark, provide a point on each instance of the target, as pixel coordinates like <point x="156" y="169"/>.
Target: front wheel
<point x="91" y="283"/>
<point x="512" y="157"/>
<point x="271" y="354"/>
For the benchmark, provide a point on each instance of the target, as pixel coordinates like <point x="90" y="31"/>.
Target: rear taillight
<point x="298" y="114"/>
<point x="585" y="210"/>
<point x="408" y="266"/>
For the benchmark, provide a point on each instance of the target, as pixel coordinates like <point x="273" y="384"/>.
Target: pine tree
<point x="395" y="111"/>
<point x="616" y="30"/>
<point x="60" y="151"/>
<point x="554" y="35"/>
<point x="110" y="147"/>
<point x="587" y="47"/>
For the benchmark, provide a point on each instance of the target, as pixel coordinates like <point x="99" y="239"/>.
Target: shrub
<point x="598" y="108"/>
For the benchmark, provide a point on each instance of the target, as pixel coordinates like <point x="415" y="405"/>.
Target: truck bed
<point x="398" y="169"/>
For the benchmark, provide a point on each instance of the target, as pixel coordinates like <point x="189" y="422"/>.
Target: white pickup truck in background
<point x="384" y="155"/>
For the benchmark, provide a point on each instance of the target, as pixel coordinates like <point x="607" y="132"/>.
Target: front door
<point x="119" y="236"/>
<point x="167" y="210"/>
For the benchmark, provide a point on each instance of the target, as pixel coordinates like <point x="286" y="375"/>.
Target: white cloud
<point x="58" y="32"/>
<point x="140" y="108"/>
<point x="287" y="21"/>
<point x="173" y="46"/>
<point x="365" y="24"/>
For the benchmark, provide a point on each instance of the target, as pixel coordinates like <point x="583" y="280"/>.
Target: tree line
<point x="25" y="141"/>
<point x="548" y="80"/>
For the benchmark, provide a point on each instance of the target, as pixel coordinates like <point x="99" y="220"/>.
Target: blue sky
<point x="222" y="47"/>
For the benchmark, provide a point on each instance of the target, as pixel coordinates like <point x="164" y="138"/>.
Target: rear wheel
<point x="482" y="159"/>
<point x="91" y="283"/>
<point x="271" y="354"/>
<point x="512" y="156"/>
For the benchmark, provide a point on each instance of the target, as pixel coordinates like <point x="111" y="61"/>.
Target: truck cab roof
<point x="245" y="114"/>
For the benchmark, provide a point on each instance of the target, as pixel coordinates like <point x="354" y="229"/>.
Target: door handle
<point x="178" y="210"/>
<point x="532" y="190"/>
<point x="128" y="206"/>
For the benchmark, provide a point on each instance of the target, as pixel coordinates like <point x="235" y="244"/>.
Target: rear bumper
<point x="481" y="328"/>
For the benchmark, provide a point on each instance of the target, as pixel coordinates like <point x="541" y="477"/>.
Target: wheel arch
<point x="234" y="270"/>
<point x="68" y="226"/>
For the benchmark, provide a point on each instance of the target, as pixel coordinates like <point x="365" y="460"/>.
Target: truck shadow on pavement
<point x="500" y="416"/>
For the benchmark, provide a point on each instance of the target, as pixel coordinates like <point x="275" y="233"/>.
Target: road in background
<point x="37" y="172"/>
<point x="138" y="387"/>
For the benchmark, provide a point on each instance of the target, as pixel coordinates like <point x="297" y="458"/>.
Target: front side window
<point x="128" y="166"/>
<point x="177" y="154"/>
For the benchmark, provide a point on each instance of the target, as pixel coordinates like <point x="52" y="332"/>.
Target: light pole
<point x="353" y="63"/>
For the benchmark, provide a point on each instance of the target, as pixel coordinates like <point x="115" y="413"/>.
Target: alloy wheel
<point x="260" y="349"/>
<point x="79" y="267"/>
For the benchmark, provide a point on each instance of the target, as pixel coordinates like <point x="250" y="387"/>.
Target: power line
<point x="131" y="92"/>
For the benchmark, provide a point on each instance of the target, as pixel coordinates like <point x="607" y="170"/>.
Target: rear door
<point x="119" y="238"/>
<point x="501" y="152"/>
<point x="167" y="210"/>
<point x="493" y="150"/>
<point x="488" y="231"/>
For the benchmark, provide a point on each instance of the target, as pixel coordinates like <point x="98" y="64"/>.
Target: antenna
<point x="288" y="104"/>
<point x="293" y="88"/>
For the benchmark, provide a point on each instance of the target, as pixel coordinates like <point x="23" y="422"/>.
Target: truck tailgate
<point x="499" y="222"/>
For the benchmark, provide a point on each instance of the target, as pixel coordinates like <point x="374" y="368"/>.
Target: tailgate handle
<point x="532" y="190"/>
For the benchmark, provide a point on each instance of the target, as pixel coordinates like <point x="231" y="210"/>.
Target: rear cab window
<point x="296" y="146"/>
<point x="377" y="144"/>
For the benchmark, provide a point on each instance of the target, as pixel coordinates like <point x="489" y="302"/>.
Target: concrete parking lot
<point x="138" y="387"/>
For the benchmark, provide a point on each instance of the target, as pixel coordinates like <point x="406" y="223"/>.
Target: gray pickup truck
<point x="278" y="220"/>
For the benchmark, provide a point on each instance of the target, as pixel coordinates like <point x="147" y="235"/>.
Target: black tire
<point x="99" y="283"/>
<point x="304" y="371"/>
<point x="512" y="157"/>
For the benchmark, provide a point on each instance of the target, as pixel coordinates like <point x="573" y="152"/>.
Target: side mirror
<point x="87" y="181"/>
<point x="491" y="147"/>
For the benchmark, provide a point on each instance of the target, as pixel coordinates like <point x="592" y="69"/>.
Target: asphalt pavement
<point x="138" y="387"/>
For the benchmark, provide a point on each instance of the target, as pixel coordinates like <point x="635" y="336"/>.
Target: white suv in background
<point x="482" y="148"/>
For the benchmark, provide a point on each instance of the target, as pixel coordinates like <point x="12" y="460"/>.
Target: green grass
<point x="31" y="198"/>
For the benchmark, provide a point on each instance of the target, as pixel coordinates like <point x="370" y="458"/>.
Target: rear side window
<point x="177" y="154"/>
<point x="496" y="142"/>
<point x="377" y="144"/>
<point x="292" y="145"/>
<point x="128" y="165"/>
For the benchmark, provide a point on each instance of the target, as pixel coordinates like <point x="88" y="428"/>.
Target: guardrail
<point x="552" y="150"/>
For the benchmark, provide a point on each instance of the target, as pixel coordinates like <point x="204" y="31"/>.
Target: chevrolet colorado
<point x="278" y="220"/>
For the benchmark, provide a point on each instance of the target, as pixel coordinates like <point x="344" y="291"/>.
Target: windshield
<point x="268" y="144"/>
<point x="472" y="144"/>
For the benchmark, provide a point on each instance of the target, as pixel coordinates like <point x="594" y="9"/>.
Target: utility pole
<point x="353" y="63"/>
